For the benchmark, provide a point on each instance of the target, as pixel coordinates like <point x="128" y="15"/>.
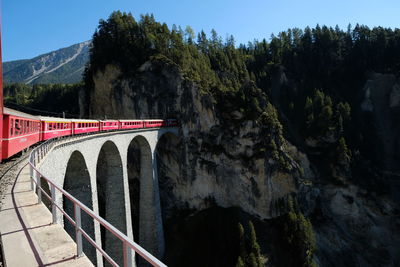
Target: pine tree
<point x="242" y="242"/>
<point x="254" y="246"/>
<point x="240" y="262"/>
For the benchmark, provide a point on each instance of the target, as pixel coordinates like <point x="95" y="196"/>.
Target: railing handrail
<point x="127" y="242"/>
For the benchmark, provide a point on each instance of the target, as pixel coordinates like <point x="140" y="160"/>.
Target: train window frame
<point x="12" y="127"/>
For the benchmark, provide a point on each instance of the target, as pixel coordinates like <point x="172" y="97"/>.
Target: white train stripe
<point x="19" y="136"/>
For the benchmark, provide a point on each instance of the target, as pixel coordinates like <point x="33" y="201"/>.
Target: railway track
<point x="8" y="170"/>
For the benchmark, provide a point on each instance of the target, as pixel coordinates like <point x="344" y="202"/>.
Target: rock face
<point x="214" y="162"/>
<point x="381" y="102"/>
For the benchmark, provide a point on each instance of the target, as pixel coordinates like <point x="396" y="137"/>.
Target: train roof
<point x="84" y="120"/>
<point x="19" y="113"/>
<point x="129" y="120"/>
<point x="53" y="119"/>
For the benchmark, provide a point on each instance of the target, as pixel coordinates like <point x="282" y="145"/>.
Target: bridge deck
<point x="28" y="238"/>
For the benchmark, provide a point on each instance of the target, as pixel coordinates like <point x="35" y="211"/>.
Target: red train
<point x="21" y="130"/>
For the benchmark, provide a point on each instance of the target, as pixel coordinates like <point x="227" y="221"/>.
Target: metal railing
<point x="36" y="178"/>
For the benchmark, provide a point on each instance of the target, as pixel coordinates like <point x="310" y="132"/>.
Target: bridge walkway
<point x="27" y="235"/>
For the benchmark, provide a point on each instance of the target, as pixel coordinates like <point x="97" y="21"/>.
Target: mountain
<point x="65" y="65"/>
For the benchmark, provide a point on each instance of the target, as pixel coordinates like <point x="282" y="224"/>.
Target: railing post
<point x="39" y="188"/>
<point x="78" y="232"/>
<point x="127" y="255"/>
<point x="31" y="172"/>
<point x="53" y="203"/>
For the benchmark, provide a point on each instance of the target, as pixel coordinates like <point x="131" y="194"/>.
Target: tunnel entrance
<point x="141" y="190"/>
<point x="111" y="199"/>
<point x="77" y="183"/>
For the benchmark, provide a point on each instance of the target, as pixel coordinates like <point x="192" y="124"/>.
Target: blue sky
<point x="34" y="27"/>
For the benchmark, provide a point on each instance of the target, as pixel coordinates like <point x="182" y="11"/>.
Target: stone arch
<point x="77" y="183"/>
<point x="141" y="190"/>
<point x="111" y="199"/>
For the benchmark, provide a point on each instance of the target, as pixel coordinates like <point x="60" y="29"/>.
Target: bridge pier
<point x="159" y="253"/>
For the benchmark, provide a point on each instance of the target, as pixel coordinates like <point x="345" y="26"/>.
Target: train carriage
<point x="154" y="123"/>
<point x="55" y="127"/>
<point x="20" y="131"/>
<point x="85" y="126"/>
<point x="131" y="124"/>
<point x="109" y="125"/>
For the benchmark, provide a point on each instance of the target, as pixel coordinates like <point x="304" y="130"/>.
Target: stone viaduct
<point x="97" y="170"/>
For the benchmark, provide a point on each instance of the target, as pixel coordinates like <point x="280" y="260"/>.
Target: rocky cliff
<point x="217" y="161"/>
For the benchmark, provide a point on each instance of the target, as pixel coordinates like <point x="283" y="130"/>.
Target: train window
<point x="17" y="127"/>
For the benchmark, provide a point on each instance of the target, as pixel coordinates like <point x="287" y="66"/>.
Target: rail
<point x="36" y="176"/>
